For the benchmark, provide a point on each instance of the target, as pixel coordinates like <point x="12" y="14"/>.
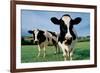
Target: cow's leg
<point x="58" y="49"/>
<point x="72" y="48"/>
<point x="64" y="52"/>
<point x="44" y="50"/>
<point x="55" y="50"/>
<point x="68" y="55"/>
<point x="67" y="50"/>
<point x="39" y="51"/>
<point x="71" y="53"/>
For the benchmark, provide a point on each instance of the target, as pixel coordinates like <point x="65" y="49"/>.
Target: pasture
<point x="29" y="53"/>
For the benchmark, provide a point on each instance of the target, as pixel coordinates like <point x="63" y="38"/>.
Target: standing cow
<point x="68" y="36"/>
<point x="43" y="39"/>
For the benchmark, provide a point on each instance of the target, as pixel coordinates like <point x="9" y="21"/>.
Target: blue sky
<point x="33" y="19"/>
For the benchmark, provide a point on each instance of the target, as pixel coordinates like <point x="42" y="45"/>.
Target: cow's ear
<point x="76" y="20"/>
<point x="55" y="20"/>
<point x="30" y="31"/>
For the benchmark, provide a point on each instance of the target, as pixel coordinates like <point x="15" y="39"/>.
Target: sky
<point x="35" y="19"/>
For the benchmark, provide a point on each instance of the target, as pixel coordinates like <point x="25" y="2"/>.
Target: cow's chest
<point x="67" y="47"/>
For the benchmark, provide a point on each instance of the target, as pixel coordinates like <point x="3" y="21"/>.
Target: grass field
<point x="29" y="53"/>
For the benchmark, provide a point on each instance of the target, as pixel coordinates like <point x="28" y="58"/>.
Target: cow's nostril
<point x="68" y="41"/>
<point x="70" y="38"/>
<point x="36" y="42"/>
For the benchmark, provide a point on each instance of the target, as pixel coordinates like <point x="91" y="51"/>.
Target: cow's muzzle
<point x="36" y="42"/>
<point x="68" y="41"/>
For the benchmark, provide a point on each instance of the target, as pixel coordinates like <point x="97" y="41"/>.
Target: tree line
<point x="83" y="39"/>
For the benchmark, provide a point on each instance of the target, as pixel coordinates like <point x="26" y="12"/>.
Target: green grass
<point x="29" y="53"/>
<point x="82" y="51"/>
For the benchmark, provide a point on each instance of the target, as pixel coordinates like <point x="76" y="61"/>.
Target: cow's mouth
<point x="68" y="41"/>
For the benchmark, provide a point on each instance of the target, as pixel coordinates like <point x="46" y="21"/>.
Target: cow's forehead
<point x="36" y="31"/>
<point x="66" y="18"/>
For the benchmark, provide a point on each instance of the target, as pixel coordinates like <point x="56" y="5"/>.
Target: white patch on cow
<point x="67" y="20"/>
<point x="67" y="49"/>
<point x="48" y="36"/>
<point x="39" y="50"/>
<point x="62" y="47"/>
<point x="36" y="33"/>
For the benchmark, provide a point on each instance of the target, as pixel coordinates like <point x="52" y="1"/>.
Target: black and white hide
<point x="43" y="39"/>
<point x="68" y="35"/>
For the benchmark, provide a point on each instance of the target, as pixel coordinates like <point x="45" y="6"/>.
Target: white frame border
<point x="20" y="65"/>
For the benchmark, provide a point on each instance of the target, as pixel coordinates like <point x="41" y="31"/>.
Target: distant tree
<point x="88" y="36"/>
<point x="26" y="42"/>
<point x="83" y="39"/>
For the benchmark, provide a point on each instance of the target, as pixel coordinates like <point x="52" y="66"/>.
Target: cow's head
<point x="37" y="35"/>
<point x="66" y="25"/>
<point x="34" y="34"/>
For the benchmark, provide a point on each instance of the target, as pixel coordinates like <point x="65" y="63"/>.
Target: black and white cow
<point x="43" y="39"/>
<point x="68" y="35"/>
